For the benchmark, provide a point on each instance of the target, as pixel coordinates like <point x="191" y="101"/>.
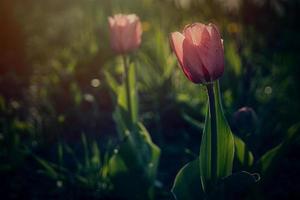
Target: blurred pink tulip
<point x="125" y="33"/>
<point x="199" y="50"/>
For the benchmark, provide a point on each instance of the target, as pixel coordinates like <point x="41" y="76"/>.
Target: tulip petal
<point x="186" y="54"/>
<point x="136" y="28"/>
<point x="127" y="36"/>
<point x="125" y="32"/>
<point x="192" y="63"/>
<point x="200" y="52"/>
<point x="176" y="40"/>
<point x="216" y="52"/>
<point x="131" y="34"/>
<point x="111" y="21"/>
<point x="116" y="25"/>
<point x="211" y="52"/>
<point x="132" y="18"/>
<point x="194" y="33"/>
<point x="138" y="34"/>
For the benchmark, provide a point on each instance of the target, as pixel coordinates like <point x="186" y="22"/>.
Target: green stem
<point x="128" y="96"/>
<point x="214" y="141"/>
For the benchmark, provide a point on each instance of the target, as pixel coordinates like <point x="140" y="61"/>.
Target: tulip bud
<point x="245" y="121"/>
<point x="200" y="52"/>
<point x="125" y="33"/>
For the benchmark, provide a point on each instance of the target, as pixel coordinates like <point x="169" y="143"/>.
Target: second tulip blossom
<point x="199" y="50"/>
<point x="125" y="32"/>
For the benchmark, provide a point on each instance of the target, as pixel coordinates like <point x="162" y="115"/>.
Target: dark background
<point x="53" y="55"/>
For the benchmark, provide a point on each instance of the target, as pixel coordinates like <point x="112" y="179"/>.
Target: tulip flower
<point x="125" y="33"/>
<point x="125" y="37"/>
<point x="199" y="50"/>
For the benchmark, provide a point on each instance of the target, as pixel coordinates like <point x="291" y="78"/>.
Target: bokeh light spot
<point x="95" y="82"/>
<point x="268" y="90"/>
<point x="59" y="183"/>
<point x="89" y="97"/>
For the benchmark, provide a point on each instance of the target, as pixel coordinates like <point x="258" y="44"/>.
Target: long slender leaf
<point x="86" y="151"/>
<point x="225" y="144"/>
<point x="242" y="154"/>
<point x="272" y="156"/>
<point x="187" y="184"/>
<point x="49" y="169"/>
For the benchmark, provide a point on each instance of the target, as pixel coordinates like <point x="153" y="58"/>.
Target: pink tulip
<point x="125" y="33"/>
<point x="199" y="50"/>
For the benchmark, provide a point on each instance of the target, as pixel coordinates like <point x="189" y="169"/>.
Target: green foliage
<point x="187" y="182"/>
<point x="134" y="164"/>
<point x="156" y="59"/>
<point x="270" y="159"/>
<point x="194" y="180"/>
<point x="233" y="58"/>
<point x="243" y="155"/>
<point x="89" y="172"/>
<point x="65" y="45"/>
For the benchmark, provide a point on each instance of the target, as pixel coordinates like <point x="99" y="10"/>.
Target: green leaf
<point x="269" y="159"/>
<point x="72" y="155"/>
<point x="116" y="165"/>
<point x="85" y="150"/>
<point x="154" y="152"/>
<point x="49" y="168"/>
<point x="96" y="157"/>
<point x="225" y="144"/>
<point x="111" y="82"/>
<point x="133" y="167"/>
<point x="193" y="121"/>
<point x="139" y="153"/>
<point x="242" y="154"/>
<point x="187" y="184"/>
<point x="265" y="162"/>
<point x="127" y="183"/>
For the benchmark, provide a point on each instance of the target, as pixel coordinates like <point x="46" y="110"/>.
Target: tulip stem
<point x="214" y="141"/>
<point x="127" y="85"/>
